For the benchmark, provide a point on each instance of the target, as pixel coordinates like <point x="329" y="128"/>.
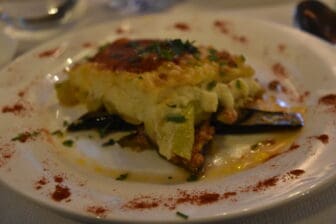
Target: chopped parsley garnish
<point x="65" y="123"/>
<point x="103" y="47"/>
<point x="133" y="44"/>
<point x="238" y="84"/>
<point x="68" y="143"/>
<point x="122" y="176"/>
<point x="213" y="56"/>
<point x="109" y="142"/>
<point x="211" y="85"/>
<point x="58" y="133"/>
<point x="182" y="215"/>
<point x="170" y="49"/>
<point x="192" y="177"/>
<point x="242" y="58"/>
<point x="177" y="118"/>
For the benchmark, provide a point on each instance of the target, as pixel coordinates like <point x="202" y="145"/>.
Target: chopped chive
<point x="169" y="49"/>
<point x="211" y="85"/>
<point x="182" y="215"/>
<point x="68" y="143"/>
<point x="238" y="84"/>
<point x="109" y="142"/>
<point x="58" y="133"/>
<point x="122" y="176"/>
<point x="103" y="47"/>
<point x="65" y="123"/>
<point x="242" y="58"/>
<point x="192" y="177"/>
<point x="177" y="118"/>
<point x="212" y="55"/>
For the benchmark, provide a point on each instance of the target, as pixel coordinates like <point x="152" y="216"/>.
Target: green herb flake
<point x="242" y="58"/>
<point x="213" y="56"/>
<point x="65" y="123"/>
<point x="238" y="84"/>
<point x="192" y="177"/>
<point x="109" y="142"/>
<point x="68" y="143"/>
<point x="169" y="49"/>
<point x="58" y="133"/>
<point x="211" y="85"/>
<point x="177" y="118"/>
<point x="103" y="47"/>
<point x="122" y="177"/>
<point x="182" y="215"/>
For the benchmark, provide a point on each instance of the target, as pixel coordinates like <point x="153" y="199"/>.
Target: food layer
<point x="171" y="87"/>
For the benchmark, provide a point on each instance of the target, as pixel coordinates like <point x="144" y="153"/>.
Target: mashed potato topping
<point x="169" y="86"/>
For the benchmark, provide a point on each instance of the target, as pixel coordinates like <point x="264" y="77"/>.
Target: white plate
<point x="8" y="47"/>
<point x="309" y="65"/>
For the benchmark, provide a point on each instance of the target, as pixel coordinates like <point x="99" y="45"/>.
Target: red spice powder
<point x="279" y="70"/>
<point x="222" y="26"/>
<point x="303" y="96"/>
<point x="207" y="198"/>
<point x="143" y="202"/>
<point x="15" y="109"/>
<point x="293" y="147"/>
<point x="87" y="45"/>
<point x="281" y="48"/>
<point x="40" y="183"/>
<point x="7" y="155"/>
<point x="182" y="197"/>
<point x="58" y="178"/>
<point x="329" y="100"/>
<point x="60" y="193"/>
<point x="241" y="39"/>
<point x="7" y="151"/>
<point x="275" y="85"/>
<point x="48" y="53"/>
<point x="182" y="26"/>
<point x="227" y="195"/>
<point x="264" y="184"/>
<point x="97" y="210"/>
<point x="296" y="172"/>
<point x="120" y="30"/>
<point x="323" y="138"/>
<point x="21" y="93"/>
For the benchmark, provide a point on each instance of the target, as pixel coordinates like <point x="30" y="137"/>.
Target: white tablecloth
<point x="317" y="207"/>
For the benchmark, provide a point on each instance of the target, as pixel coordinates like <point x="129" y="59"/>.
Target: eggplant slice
<point x="250" y="121"/>
<point x="101" y="121"/>
<point x="254" y="121"/>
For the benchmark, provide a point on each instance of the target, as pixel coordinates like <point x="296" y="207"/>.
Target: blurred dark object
<point x="316" y="18"/>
